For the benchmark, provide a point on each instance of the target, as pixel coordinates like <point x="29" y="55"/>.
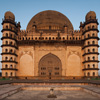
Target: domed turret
<point x="9" y="45"/>
<point x="9" y="15"/>
<point x="90" y="48"/>
<point x="90" y="15"/>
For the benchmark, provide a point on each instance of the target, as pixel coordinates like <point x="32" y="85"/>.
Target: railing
<point x="9" y="61"/>
<point x="90" y="69"/>
<point x="9" y="69"/>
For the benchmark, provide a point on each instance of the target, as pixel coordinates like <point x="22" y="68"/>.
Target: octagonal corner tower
<point x="49" y="19"/>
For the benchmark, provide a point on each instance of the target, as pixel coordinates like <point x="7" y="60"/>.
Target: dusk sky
<point x="24" y="10"/>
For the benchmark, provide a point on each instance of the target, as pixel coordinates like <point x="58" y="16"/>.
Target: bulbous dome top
<point x="49" y="18"/>
<point x="90" y="15"/>
<point x="9" y="15"/>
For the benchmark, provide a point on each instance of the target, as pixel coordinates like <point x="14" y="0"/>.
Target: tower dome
<point x="90" y="15"/>
<point x="9" y="15"/>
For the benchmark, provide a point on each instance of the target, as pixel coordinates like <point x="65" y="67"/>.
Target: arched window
<point x="11" y="66"/>
<point x="11" y="59"/>
<point x="6" y="50"/>
<point x="53" y="38"/>
<point x="88" y="27"/>
<point x="93" y="42"/>
<point x="42" y="38"/>
<point x="6" y="74"/>
<point x="6" y="26"/>
<point x="11" y="27"/>
<point x="88" y="35"/>
<point x="67" y="37"/>
<point x="35" y="38"/>
<point x="93" y="50"/>
<point x="59" y="38"/>
<point x="56" y="68"/>
<point x="6" y="66"/>
<point x="93" y="65"/>
<point x="93" y="58"/>
<point x="46" y="38"/>
<point x="6" y="42"/>
<point x="93" y="27"/>
<point x="76" y="37"/>
<point x="11" y="35"/>
<point x="23" y="38"/>
<point x="6" y="34"/>
<point x="93" y="73"/>
<point x="11" y="74"/>
<point x="93" y="34"/>
<point x="6" y="58"/>
<point x="70" y="38"/>
<point x="88" y="66"/>
<point x="88" y="50"/>
<point x="49" y="38"/>
<point x="88" y="58"/>
<point x="88" y="42"/>
<point x="10" y="50"/>
<point x="88" y="74"/>
<point x="10" y="43"/>
<point x="39" y="38"/>
<point x="63" y="38"/>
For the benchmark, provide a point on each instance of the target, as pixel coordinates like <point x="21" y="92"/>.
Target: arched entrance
<point x="50" y="66"/>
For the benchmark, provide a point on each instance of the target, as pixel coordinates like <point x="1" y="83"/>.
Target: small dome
<point x="9" y="15"/>
<point x="90" y="15"/>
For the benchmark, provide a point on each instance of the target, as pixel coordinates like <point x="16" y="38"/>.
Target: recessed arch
<point x="73" y="65"/>
<point x="26" y="65"/>
<point x="50" y="65"/>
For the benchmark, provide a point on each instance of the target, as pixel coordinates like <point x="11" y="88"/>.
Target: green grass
<point x="95" y="79"/>
<point x="4" y="79"/>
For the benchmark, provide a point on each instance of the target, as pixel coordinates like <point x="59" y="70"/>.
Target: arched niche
<point x="73" y="65"/>
<point x="26" y="65"/>
<point x="50" y="65"/>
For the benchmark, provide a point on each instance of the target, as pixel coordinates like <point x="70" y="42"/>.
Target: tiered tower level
<point x="50" y="47"/>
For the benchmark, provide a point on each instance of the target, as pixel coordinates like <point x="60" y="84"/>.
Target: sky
<point x="24" y="10"/>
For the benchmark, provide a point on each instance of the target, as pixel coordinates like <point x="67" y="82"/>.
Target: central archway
<point x="50" y="65"/>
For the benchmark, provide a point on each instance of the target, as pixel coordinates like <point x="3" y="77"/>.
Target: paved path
<point x="9" y="89"/>
<point x="61" y="95"/>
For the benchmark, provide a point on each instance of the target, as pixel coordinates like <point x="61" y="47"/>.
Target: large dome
<point x="49" y="18"/>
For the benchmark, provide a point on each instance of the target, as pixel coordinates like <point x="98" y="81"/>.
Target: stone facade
<point x="49" y="48"/>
